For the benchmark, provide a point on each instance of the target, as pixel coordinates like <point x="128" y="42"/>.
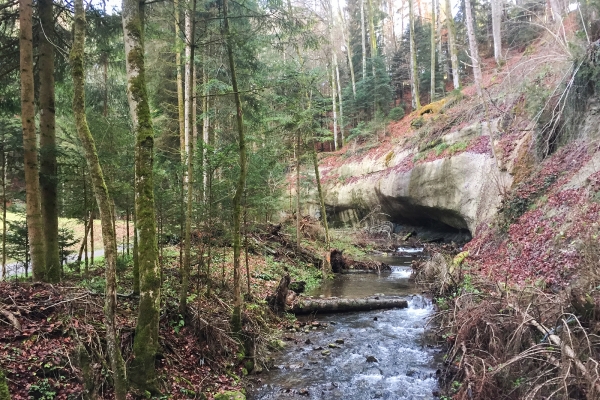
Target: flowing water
<point x="382" y="354"/>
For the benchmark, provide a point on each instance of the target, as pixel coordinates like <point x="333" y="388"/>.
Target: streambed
<point x="382" y="354"/>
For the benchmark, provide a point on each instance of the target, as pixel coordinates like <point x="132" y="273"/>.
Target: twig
<point x="11" y="318"/>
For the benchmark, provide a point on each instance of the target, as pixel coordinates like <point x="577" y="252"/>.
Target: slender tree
<point x="432" y="65"/>
<point x="48" y="171"/>
<point x="473" y="49"/>
<point x="452" y="44"/>
<point x="142" y="372"/>
<point x="363" y="39"/>
<point x="35" y="227"/>
<point x="414" y="76"/>
<point x="496" y="29"/>
<point x="346" y="39"/>
<point x="102" y="199"/>
<point x="236" y="320"/>
<point x="190" y="122"/>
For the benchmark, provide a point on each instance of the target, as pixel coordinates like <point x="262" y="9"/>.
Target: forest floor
<point x="51" y="334"/>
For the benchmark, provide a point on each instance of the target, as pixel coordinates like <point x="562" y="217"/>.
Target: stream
<point x="381" y="354"/>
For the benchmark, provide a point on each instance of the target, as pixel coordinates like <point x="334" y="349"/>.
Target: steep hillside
<point x="515" y="171"/>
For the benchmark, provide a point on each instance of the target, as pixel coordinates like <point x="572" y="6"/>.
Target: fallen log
<point x="336" y="305"/>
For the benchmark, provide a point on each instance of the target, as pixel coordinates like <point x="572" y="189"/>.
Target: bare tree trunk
<point x="145" y="346"/>
<point x="92" y="237"/>
<point x="432" y="66"/>
<point x="189" y="154"/>
<point x="346" y="39"/>
<point x="48" y="170"/>
<point x="236" y="320"/>
<point x="334" y="105"/>
<point x="180" y="103"/>
<point x="298" y="216"/>
<point x="496" y="29"/>
<point x="3" y="213"/>
<point x="473" y="49"/>
<point x="364" y="39"/>
<point x="372" y="37"/>
<point x="414" y="76"/>
<point x="339" y="93"/>
<point x="35" y="227"/>
<point x="103" y="200"/>
<point x="205" y="128"/>
<point x="452" y="45"/>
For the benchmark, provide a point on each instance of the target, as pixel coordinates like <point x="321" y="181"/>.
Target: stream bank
<point x="375" y="354"/>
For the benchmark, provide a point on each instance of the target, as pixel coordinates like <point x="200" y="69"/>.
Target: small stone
<point x="303" y="392"/>
<point x="307" y="341"/>
<point x="339" y="341"/>
<point x="318" y="348"/>
<point x="314" y="328"/>
<point x="326" y="352"/>
<point x="375" y="319"/>
<point x="371" y="359"/>
<point x="333" y="346"/>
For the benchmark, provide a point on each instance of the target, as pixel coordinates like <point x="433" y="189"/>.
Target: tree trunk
<point x="364" y="39"/>
<point x="298" y="216"/>
<point x="334" y="105"/>
<point x="48" y="170"/>
<point x="346" y="39"/>
<point x="452" y="45"/>
<point x="180" y="102"/>
<point x="3" y="213"/>
<point x="189" y="154"/>
<point x="335" y="305"/>
<point x="432" y="66"/>
<point x="372" y="37"/>
<point x="236" y="320"/>
<point x="473" y="49"/>
<point x="35" y="227"/>
<point x="414" y="76"/>
<point x="103" y="200"/>
<point x="321" y="197"/>
<point x="496" y="29"/>
<point x="92" y="237"/>
<point x="145" y="346"/>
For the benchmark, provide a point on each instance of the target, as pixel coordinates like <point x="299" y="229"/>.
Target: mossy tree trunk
<point x="102" y="199"/>
<point x="236" y="320"/>
<point x="35" y="227"/>
<point x="142" y="373"/>
<point x="48" y="170"/>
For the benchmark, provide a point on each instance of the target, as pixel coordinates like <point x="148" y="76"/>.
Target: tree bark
<point x="452" y="45"/>
<point x="372" y="37"/>
<point x="35" y="227"/>
<point x="496" y="29"/>
<point x="346" y="39"/>
<point x="145" y="345"/>
<point x="414" y="76"/>
<point x="48" y="170"/>
<point x="103" y="201"/>
<point x="180" y="102"/>
<point x="3" y="213"/>
<point x="335" y="305"/>
<point x="473" y="49"/>
<point x="189" y="154"/>
<point x="364" y="39"/>
<point x="236" y="320"/>
<point x="432" y="66"/>
<point x="334" y="105"/>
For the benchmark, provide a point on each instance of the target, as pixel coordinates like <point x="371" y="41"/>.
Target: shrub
<point x="396" y="113"/>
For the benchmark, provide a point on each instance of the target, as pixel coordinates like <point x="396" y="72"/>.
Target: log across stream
<point x="378" y="354"/>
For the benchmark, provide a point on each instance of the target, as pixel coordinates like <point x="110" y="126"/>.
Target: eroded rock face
<point x="460" y="191"/>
